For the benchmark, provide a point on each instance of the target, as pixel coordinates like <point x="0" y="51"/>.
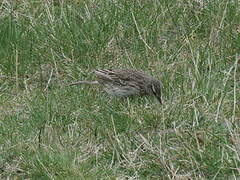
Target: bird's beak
<point x="159" y="98"/>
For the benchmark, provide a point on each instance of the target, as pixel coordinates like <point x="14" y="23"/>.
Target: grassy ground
<point x="49" y="130"/>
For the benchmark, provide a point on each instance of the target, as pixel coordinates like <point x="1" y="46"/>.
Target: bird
<point x="127" y="83"/>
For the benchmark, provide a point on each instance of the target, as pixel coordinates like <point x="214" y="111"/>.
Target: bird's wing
<point x="109" y="75"/>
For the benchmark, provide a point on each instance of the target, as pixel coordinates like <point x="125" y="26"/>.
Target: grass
<point x="49" y="130"/>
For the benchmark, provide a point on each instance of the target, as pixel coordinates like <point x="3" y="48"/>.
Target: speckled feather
<point x="126" y="82"/>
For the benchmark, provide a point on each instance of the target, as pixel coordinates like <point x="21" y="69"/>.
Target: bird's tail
<point x="84" y="82"/>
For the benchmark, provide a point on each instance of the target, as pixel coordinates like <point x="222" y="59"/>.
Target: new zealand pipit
<point x="126" y="82"/>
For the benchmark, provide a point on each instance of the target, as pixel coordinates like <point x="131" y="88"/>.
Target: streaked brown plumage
<point x="126" y="82"/>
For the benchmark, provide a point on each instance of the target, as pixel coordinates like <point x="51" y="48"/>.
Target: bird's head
<point x="156" y="89"/>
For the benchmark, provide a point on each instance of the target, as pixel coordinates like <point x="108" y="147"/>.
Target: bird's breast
<point x="121" y="91"/>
